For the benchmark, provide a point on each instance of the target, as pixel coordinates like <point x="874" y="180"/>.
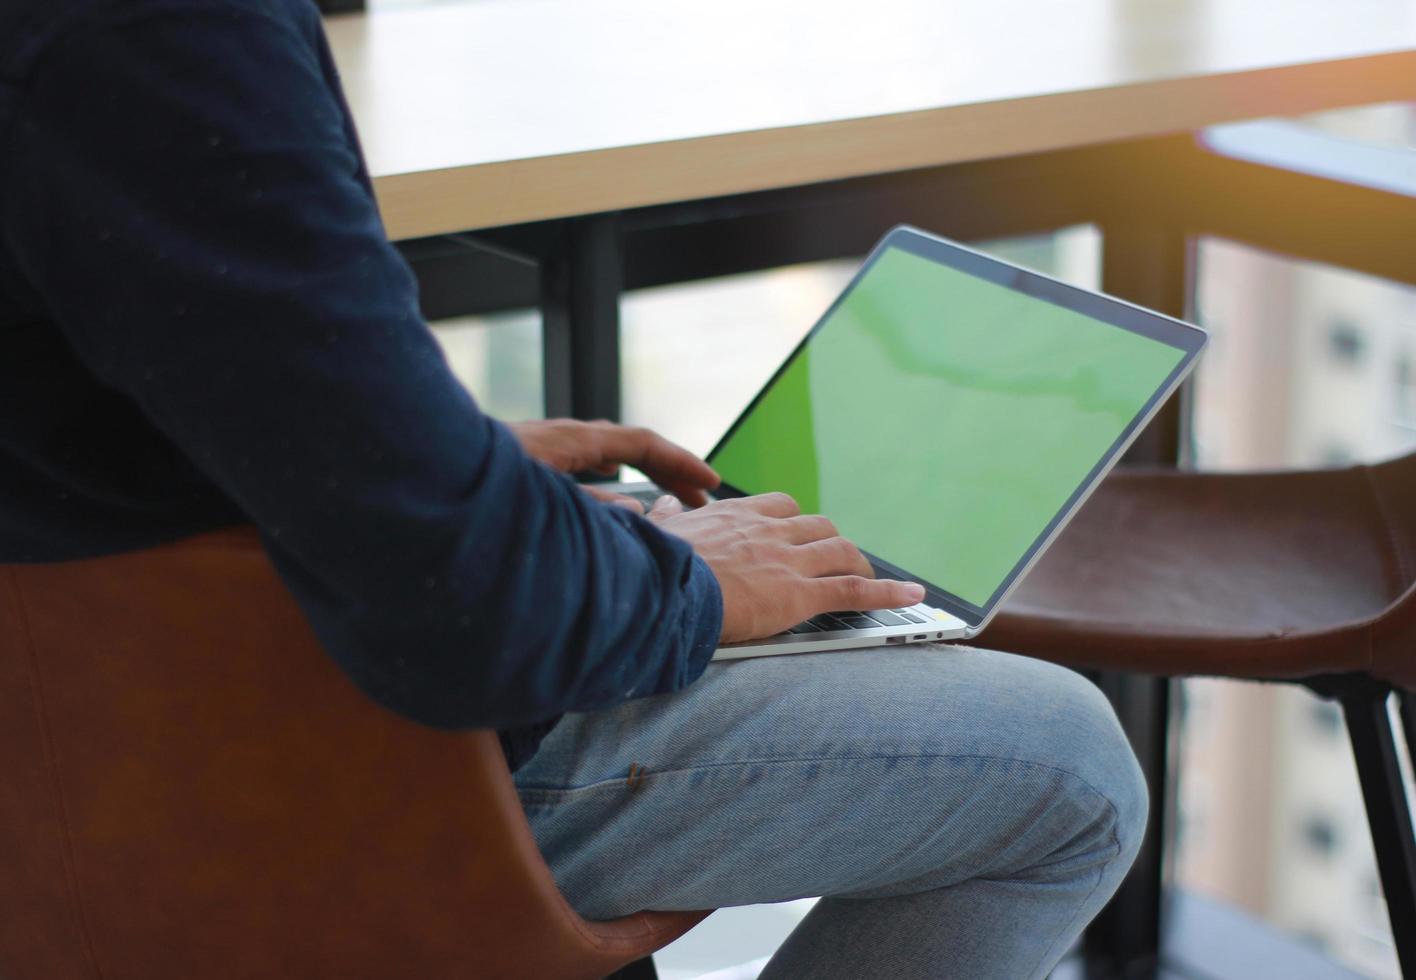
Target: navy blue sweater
<point x="201" y="323"/>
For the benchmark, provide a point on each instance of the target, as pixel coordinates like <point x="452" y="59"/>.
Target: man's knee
<point x="1091" y="745"/>
<point x="1050" y="733"/>
<point x="932" y="701"/>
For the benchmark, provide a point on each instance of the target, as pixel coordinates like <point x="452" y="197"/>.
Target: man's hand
<point x="777" y="567"/>
<point x="602" y="447"/>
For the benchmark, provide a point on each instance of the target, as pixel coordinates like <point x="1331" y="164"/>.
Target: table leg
<point x="1150" y="265"/>
<point x="581" y="281"/>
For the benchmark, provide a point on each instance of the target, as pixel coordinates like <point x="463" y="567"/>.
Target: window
<point x="1326" y="719"/>
<point x="1319" y="835"/>
<point x="1346" y="344"/>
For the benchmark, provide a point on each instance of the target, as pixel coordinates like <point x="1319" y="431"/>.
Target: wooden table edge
<point x="518" y="191"/>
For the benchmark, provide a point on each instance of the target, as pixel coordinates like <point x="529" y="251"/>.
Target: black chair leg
<point x="1388" y="815"/>
<point x="638" y="970"/>
<point x="1407" y="701"/>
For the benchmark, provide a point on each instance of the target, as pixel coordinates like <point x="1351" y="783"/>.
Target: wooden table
<point x="597" y="145"/>
<point x="501" y="112"/>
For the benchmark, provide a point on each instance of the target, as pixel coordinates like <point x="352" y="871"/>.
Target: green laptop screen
<point x="943" y="420"/>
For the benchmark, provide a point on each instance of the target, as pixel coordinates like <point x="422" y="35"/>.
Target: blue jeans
<point x="965" y="813"/>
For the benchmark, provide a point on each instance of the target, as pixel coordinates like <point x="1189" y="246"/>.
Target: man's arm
<point x="185" y="195"/>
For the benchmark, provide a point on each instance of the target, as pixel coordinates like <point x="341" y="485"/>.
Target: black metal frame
<point x="1151" y="198"/>
<point x="581" y="283"/>
<point x="1407" y="710"/>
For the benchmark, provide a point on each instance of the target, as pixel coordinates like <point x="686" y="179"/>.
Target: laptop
<point x="950" y="412"/>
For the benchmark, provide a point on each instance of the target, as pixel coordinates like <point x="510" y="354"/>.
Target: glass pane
<point x="1307" y="365"/>
<point x="498" y="358"/>
<point x="694" y="354"/>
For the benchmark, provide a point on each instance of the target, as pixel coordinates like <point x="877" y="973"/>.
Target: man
<point x="202" y="324"/>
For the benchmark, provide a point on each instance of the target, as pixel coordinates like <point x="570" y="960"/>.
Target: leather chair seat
<point x="1251" y="575"/>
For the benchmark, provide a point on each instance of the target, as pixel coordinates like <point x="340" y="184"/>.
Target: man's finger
<point x="833" y="556"/>
<point x="666" y="463"/>
<point x="844" y="592"/>
<point x="807" y="528"/>
<point x="771" y="504"/>
<point x="665" y="507"/>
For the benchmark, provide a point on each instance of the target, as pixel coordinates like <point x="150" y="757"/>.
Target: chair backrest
<point x="190" y="788"/>
<point x="1394" y="634"/>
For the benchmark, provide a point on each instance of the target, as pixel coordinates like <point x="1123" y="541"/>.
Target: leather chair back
<point x="190" y="788"/>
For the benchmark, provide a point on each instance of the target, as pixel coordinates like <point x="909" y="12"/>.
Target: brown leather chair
<point x="189" y="788"/>
<point x="1307" y="577"/>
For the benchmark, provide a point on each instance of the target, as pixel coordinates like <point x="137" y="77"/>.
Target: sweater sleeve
<point x="187" y="197"/>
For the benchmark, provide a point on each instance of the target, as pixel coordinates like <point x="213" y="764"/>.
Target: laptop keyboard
<point x="866" y="620"/>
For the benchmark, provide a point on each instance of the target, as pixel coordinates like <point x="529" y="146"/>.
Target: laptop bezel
<point x="1185" y="337"/>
